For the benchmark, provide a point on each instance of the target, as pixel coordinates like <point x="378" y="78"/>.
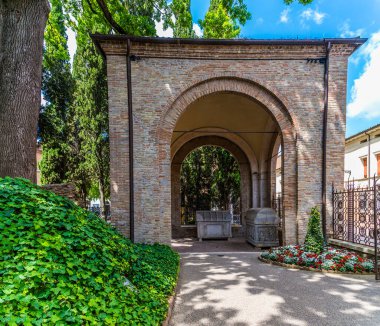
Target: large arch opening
<point x="244" y="127"/>
<point x="210" y="179"/>
<point x="179" y="230"/>
<point x="261" y="110"/>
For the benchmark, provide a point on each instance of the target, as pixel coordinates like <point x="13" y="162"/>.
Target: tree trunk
<point x="102" y="200"/>
<point x="22" y="24"/>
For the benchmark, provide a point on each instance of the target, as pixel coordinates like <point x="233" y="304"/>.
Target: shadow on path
<point x="237" y="289"/>
<point x="191" y="245"/>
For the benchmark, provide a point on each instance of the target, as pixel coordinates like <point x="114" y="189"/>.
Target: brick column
<point x="119" y="150"/>
<point x="336" y="127"/>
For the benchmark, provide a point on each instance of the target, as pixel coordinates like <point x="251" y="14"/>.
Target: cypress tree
<point x="183" y="25"/>
<point x="223" y="18"/>
<point x="57" y="90"/>
<point x="314" y="238"/>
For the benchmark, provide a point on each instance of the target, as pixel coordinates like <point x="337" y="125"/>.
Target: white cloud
<point x="197" y="30"/>
<point x="284" y="17"/>
<point x="345" y="30"/>
<point x="314" y="15"/>
<point x="161" y="32"/>
<point x="365" y="95"/>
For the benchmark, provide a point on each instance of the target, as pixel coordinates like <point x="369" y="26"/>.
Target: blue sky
<point x="323" y="18"/>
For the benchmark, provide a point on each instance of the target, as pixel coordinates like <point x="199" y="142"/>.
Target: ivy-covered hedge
<point x="61" y="265"/>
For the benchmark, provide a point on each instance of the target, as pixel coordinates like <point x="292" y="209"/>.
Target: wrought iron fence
<point x="356" y="216"/>
<point x="96" y="209"/>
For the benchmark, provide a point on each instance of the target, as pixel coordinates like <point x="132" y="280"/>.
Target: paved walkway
<point x="192" y="245"/>
<point x="237" y="289"/>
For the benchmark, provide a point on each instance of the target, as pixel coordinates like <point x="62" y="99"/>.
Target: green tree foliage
<point x="210" y="178"/>
<point x="314" y="238"/>
<point x="61" y="265"/>
<point x="89" y="166"/>
<point x="74" y="127"/>
<point x="223" y="18"/>
<point x="133" y="17"/>
<point x="57" y="89"/>
<point x="91" y="117"/>
<point x="183" y="25"/>
<point x="302" y="2"/>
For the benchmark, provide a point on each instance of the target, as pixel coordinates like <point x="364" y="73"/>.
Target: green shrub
<point x="62" y="265"/>
<point x="314" y="238"/>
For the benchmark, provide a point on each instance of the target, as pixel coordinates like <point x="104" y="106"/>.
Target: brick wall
<point x="169" y="77"/>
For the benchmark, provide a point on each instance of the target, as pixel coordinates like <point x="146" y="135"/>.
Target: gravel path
<point x="237" y="289"/>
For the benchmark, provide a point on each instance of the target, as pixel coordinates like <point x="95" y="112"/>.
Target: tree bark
<point x="102" y="200"/>
<point x="22" y="24"/>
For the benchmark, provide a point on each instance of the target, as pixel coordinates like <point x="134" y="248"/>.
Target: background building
<point x="362" y="158"/>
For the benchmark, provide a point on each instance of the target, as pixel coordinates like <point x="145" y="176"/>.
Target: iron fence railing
<point x="356" y="216"/>
<point x="96" y="209"/>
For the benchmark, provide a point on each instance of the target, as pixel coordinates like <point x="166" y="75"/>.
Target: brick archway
<point x="245" y="172"/>
<point x="271" y="103"/>
<point x="235" y="139"/>
<point x="276" y="104"/>
<point x="166" y="77"/>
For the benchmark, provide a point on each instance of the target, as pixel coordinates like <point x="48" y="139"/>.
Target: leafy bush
<point x="62" y="265"/>
<point x="314" y="238"/>
<point x="327" y="264"/>
<point x="368" y="266"/>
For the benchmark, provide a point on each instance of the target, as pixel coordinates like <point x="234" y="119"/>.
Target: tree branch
<point x="90" y="6"/>
<point x="103" y="6"/>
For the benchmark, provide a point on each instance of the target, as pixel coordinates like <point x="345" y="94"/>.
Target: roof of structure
<point x="238" y="41"/>
<point x="363" y="132"/>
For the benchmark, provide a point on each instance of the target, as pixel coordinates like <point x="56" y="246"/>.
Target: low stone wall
<point x="65" y="190"/>
<point x="365" y="250"/>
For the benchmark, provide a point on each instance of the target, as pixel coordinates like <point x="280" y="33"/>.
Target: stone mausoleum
<point x="255" y="98"/>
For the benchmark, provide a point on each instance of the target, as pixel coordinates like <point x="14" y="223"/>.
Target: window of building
<point x="365" y="167"/>
<point x="378" y="163"/>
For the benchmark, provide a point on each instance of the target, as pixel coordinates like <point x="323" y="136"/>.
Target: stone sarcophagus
<point x="213" y="224"/>
<point x="262" y="227"/>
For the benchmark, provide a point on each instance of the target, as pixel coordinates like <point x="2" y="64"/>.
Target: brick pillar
<point x="336" y="128"/>
<point x="119" y="151"/>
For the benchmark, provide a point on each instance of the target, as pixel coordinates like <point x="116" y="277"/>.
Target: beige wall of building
<point x="362" y="157"/>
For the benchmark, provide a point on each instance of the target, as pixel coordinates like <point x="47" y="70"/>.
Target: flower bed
<point x="331" y="259"/>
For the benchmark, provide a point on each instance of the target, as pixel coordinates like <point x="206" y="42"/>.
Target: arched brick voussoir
<point x="272" y="100"/>
<point x="234" y="138"/>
